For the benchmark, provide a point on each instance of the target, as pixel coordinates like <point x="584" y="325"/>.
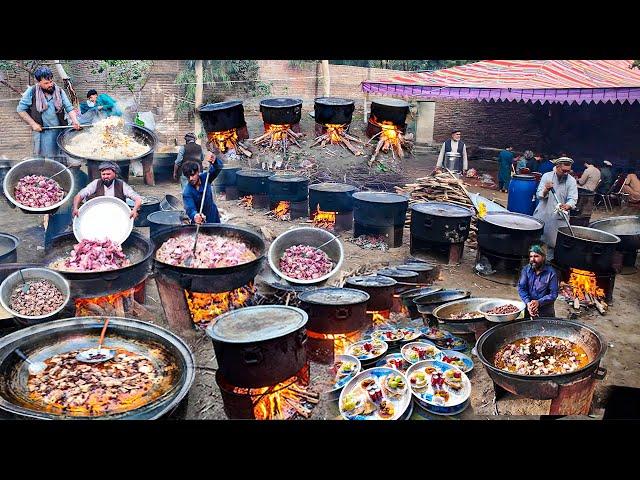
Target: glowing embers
<point x="127" y="303"/>
<point x="326" y="220"/>
<point x="582" y="290"/>
<point x="391" y="139"/>
<point x="323" y="347"/>
<point x="282" y="211"/>
<point x="226" y="140"/>
<point x="205" y="307"/>
<point x="246" y="202"/>
<point x="287" y="400"/>
<point x="278" y="137"/>
<point x="334" y="134"/>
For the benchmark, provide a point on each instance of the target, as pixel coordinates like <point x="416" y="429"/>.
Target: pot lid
<point x="515" y="221"/>
<point x="372" y="281"/>
<point x="254" y="173"/>
<point x="394" y="272"/>
<point x="380" y="197"/>
<point x="210" y="107"/>
<point x="440" y="296"/>
<point x="525" y="176"/>
<point x="334" y="296"/>
<point x="391" y="102"/>
<point x="332" y="187"/>
<point x="256" y="324"/>
<point x="288" y="178"/>
<point x="281" y="102"/>
<point x="416" y="267"/>
<point x="334" y="101"/>
<point x="90" y="223"/>
<point x="442" y="209"/>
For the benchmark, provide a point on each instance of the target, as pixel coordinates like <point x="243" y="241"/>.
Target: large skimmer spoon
<point x="97" y="355"/>
<point x="34" y="367"/>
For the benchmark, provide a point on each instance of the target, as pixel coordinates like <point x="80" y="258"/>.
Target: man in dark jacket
<point x="195" y="188"/>
<point x="189" y="152"/>
<point x="454" y="145"/>
<point x="538" y="285"/>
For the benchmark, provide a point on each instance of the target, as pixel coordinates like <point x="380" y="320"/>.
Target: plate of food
<point x="379" y="393"/>
<point x="389" y="335"/>
<point x="344" y="368"/>
<point x="394" y="360"/>
<point x="368" y="349"/>
<point x="439" y="387"/>
<point x="457" y="359"/>
<point x="435" y="334"/>
<point x="416" y="351"/>
<point x="452" y="343"/>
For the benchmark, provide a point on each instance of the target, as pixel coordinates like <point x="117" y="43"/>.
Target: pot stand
<point x="174" y="304"/>
<point x="452" y="252"/>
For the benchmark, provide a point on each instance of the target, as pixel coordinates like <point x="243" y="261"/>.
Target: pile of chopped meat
<point x="305" y="263"/>
<point x="41" y="298"/>
<point x="113" y="386"/>
<point x="212" y="251"/>
<point x="503" y="309"/>
<point x="465" y="315"/>
<point x="38" y="191"/>
<point x="541" y="356"/>
<point x="93" y="256"/>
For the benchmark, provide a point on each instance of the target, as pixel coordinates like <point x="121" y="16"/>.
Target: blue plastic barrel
<point x="522" y="194"/>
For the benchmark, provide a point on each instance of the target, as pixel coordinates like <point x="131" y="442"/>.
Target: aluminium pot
<point x="627" y="229"/>
<point x="260" y="346"/>
<point x="508" y="233"/>
<point x="288" y="188"/>
<point x="333" y="110"/>
<point x="379" y="288"/>
<point x="587" y="249"/>
<point x="390" y="110"/>
<point x="335" y="310"/>
<point x="281" y="111"/>
<point x="8" y="248"/>
<point x="476" y="325"/>
<point x="222" y="116"/>
<point x="426" y="272"/>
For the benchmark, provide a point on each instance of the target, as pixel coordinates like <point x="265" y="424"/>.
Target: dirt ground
<point x="618" y="326"/>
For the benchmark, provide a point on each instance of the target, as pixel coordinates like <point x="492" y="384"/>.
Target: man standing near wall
<point x="454" y="145"/>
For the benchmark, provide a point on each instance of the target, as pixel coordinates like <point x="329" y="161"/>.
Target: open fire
<point x="282" y="211"/>
<point x="582" y="290"/>
<point x="278" y="137"/>
<point x="391" y="138"/>
<point x="246" y="202"/>
<point x="336" y="134"/>
<point x="226" y="140"/>
<point x="122" y="304"/>
<point x="205" y="307"/>
<point x="326" y="220"/>
<point x="380" y="317"/>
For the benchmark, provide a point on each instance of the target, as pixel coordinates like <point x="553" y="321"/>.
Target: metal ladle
<point x="189" y="260"/>
<point x="563" y="213"/>
<point x="97" y="355"/>
<point x="34" y="367"/>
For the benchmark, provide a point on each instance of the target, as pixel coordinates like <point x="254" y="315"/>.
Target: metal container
<point x="331" y="197"/>
<point x="228" y="177"/>
<point x="222" y="116"/>
<point x="380" y="290"/>
<point x="8" y="248"/>
<point x="212" y="280"/>
<point x="508" y="233"/>
<point x="162" y="221"/>
<point x="477" y="324"/>
<point x="33" y="274"/>
<point x="453" y="161"/>
<point x="425" y="271"/>
<point x="149" y="205"/>
<point x="335" y="310"/>
<point x="103" y="218"/>
<point x="391" y="110"/>
<point x="40" y="342"/>
<point x="39" y="166"/>
<point x="169" y="203"/>
<point x="402" y="276"/>
<point x="581" y="214"/>
<point x="313" y="237"/>
<point x="260" y="346"/>
<point x="252" y="182"/>
<point x="407" y="297"/>
<point x="440" y="222"/>
<point x="427" y="303"/>
<point x="522" y="194"/>
<point x="501" y="317"/>
<point x="333" y="110"/>
<point x="541" y="387"/>
<point x="281" y="111"/>
<point x="587" y="249"/>
<point x="627" y="229"/>
<point x="163" y="164"/>
<point x="288" y="188"/>
<point x="380" y="209"/>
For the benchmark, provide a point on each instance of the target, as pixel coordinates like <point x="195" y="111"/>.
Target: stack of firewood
<point x="585" y="300"/>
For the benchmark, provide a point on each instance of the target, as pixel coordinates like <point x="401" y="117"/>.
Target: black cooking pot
<point x="252" y="182"/>
<point x="227" y="177"/>
<point x="8" y="248"/>
<point x="403" y="276"/>
<point x="391" y="110"/>
<point x="281" y="111"/>
<point x="165" y="220"/>
<point x="427" y="303"/>
<point x="508" y="233"/>
<point x="380" y="290"/>
<point x="260" y="346"/>
<point x="331" y="197"/>
<point x="149" y="205"/>
<point x="333" y="110"/>
<point x="440" y="222"/>
<point x="335" y="310"/>
<point x="542" y="387"/>
<point x="425" y="271"/>
<point x="587" y="249"/>
<point x="288" y="188"/>
<point x="379" y="209"/>
<point x="221" y="116"/>
<point x="627" y="229"/>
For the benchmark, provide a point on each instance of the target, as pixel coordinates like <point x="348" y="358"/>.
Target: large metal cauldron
<point x="149" y="205"/>
<point x="288" y="188"/>
<point x="141" y="134"/>
<point x="379" y="209"/>
<point x="380" y="290"/>
<point x="8" y="248"/>
<point x="333" y="110"/>
<point x="260" y="346"/>
<point x="541" y="387"/>
<point x="221" y="116"/>
<point x="331" y="197"/>
<point x="335" y="310"/>
<point x="41" y="342"/>
<point x="508" y="233"/>
<point x="440" y="222"/>
<point x="587" y="249"/>
<point x="476" y="324"/>
<point x="252" y="182"/>
<point x="162" y="221"/>
<point x="581" y="215"/>
<point x="138" y="250"/>
<point x="391" y="110"/>
<point x="627" y="229"/>
<point x="281" y="111"/>
<point x="212" y="280"/>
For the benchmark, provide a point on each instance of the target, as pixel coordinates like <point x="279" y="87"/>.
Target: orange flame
<point x="326" y="220"/>
<point x="379" y="317"/>
<point x="205" y="307"/>
<point x="584" y="283"/>
<point x="278" y="132"/>
<point x="282" y="209"/>
<point x="246" y="202"/>
<point x="224" y="140"/>
<point x="115" y="301"/>
<point x="341" y="341"/>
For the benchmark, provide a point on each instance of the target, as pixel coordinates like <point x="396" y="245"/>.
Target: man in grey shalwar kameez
<point x="566" y="189"/>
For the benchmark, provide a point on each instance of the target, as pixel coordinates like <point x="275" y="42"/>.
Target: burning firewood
<point x="391" y="139"/>
<point x="337" y="135"/>
<point x="278" y="137"/>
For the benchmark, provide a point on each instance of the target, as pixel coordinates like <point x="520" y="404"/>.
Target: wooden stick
<point x="599" y="306"/>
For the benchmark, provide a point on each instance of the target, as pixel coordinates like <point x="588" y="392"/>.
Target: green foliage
<point x="407" y="65"/>
<point x="131" y="74"/>
<point x="635" y="64"/>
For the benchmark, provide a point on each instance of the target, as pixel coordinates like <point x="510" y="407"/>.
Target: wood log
<point x="244" y="151"/>
<point x="599" y="306"/>
<point x="576" y="303"/>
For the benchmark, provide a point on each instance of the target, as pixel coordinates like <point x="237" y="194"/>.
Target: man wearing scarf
<point x="44" y="105"/>
<point x="538" y="285"/>
<point x="108" y="186"/>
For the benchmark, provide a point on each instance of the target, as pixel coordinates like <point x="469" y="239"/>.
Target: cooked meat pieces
<point x="212" y="251"/>
<point x="41" y="298"/>
<point x="305" y="263"/>
<point x="503" y="309"/>
<point x="465" y="315"/>
<point x="38" y="191"/>
<point x="541" y="356"/>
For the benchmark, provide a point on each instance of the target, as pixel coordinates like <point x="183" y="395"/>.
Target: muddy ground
<point x="618" y="326"/>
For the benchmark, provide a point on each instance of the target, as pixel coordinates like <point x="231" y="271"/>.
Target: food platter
<point x="463" y="362"/>
<point x="379" y="393"/>
<point x="416" y="351"/>
<point x="438" y="387"/>
<point x="395" y="361"/>
<point x="103" y="218"/>
<point x="435" y="334"/>
<point x="452" y="343"/>
<point x="368" y="350"/>
<point x="394" y="336"/>
<point x="344" y="368"/>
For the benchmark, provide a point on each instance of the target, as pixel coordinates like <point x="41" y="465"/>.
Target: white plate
<point x="103" y="218"/>
<point x="425" y="396"/>
<point x="423" y="344"/>
<point x="357" y="350"/>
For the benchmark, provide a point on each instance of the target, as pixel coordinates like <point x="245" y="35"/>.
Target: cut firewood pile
<point x="278" y="137"/>
<point x="578" y="298"/>
<point x="337" y="135"/>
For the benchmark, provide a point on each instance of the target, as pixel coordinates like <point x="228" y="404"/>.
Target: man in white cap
<point x="565" y="188"/>
<point x="108" y="186"/>
<point x="606" y="177"/>
<point x="454" y="145"/>
<point x="590" y="177"/>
